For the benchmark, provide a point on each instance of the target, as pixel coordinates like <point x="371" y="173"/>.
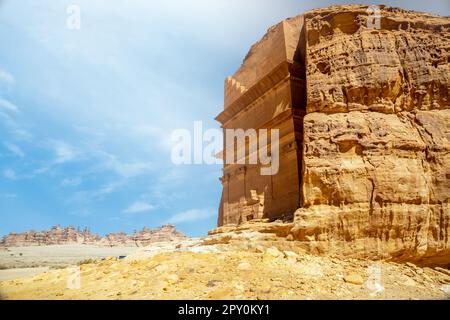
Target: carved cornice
<point x="284" y="71"/>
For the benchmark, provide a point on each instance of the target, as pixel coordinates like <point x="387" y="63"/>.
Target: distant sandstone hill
<point x="69" y="235"/>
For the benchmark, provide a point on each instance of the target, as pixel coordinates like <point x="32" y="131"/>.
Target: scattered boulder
<point x="354" y="278"/>
<point x="244" y="266"/>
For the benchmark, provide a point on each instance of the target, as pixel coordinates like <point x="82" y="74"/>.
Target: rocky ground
<point x="239" y="264"/>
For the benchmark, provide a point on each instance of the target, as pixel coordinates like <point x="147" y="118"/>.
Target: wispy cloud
<point x="191" y="216"/>
<point x="9" y="195"/>
<point x="157" y="135"/>
<point x="88" y="196"/>
<point x="139" y="206"/>
<point x="125" y="169"/>
<point x="109" y="188"/>
<point x="6" y="77"/>
<point x="10" y="174"/>
<point x="5" y="104"/>
<point x="74" y="182"/>
<point x="80" y="213"/>
<point x="17" y="131"/>
<point x="16" y="150"/>
<point x="64" y="152"/>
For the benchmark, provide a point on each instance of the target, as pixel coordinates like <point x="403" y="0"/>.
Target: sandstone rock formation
<point x="144" y="237"/>
<point x="165" y="233"/>
<point x="55" y="236"/>
<point x="372" y="127"/>
<point x="376" y="176"/>
<point x="61" y="236"/>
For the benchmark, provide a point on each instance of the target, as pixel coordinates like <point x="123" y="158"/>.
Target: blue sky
<point x="86" y="115"/>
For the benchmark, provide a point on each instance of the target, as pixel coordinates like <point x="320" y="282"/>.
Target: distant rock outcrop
<point x="69" y="235"/>
<point x="142" y="238"/>
<point x="56" y="235"/>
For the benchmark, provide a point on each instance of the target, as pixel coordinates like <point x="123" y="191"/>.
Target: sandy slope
<point x="243" y="265"/>
<point x="24" y="261"/>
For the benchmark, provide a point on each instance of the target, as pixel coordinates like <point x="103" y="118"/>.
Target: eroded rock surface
<point x="371" y="123"/>
<point x="376" y="177"/>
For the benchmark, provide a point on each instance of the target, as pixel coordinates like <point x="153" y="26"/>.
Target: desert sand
<point x="23" y="261"/>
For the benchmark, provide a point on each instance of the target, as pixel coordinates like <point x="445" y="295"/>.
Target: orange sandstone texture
<point x="365" y="133"/>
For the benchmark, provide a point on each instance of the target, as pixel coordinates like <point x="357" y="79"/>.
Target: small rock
<point x="161" y="268"/>
<point x="266" y="288"/>
<point x="419" y="271"/>
<point x="258" y="249"/>
<point x="409" y="282"/>
<point x="274" y="252"/>
<point x="244" y="266"/>
<point x="222" y="294"/>
<point x="240" y="287"/>
<point x="212" y="283"/>
<point x="354" y="278"/>
<point x="172" y="278"/>
<point x="445" y="288"/>
<point x="290" y="255"/>
<point x="444" y="271"/>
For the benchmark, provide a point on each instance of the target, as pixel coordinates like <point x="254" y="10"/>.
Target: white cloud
<point x="172" y="176"/>
<point x="153" y="135"/>
<point x="16" y="130"/>
<point x="139" y="206"/>
<point x="9" y="195"/>
<point x="10" y="174"/>
<point x="6" y="77"/>
<point x="64" y="152"/>
<point x="88" y="196"/>
<point x="5" y="104"/>
<point x="191" y="215"/>
<point x="125" y="169"/>
<point x="71" y="182"/>
<point x="80" y="213"/>
<point x="109" y="188"/>
<point x="15" y="149"/>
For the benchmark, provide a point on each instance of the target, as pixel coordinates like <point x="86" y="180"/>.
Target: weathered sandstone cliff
<point x="376" y="175"/>
<point x="374" y="144"/>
